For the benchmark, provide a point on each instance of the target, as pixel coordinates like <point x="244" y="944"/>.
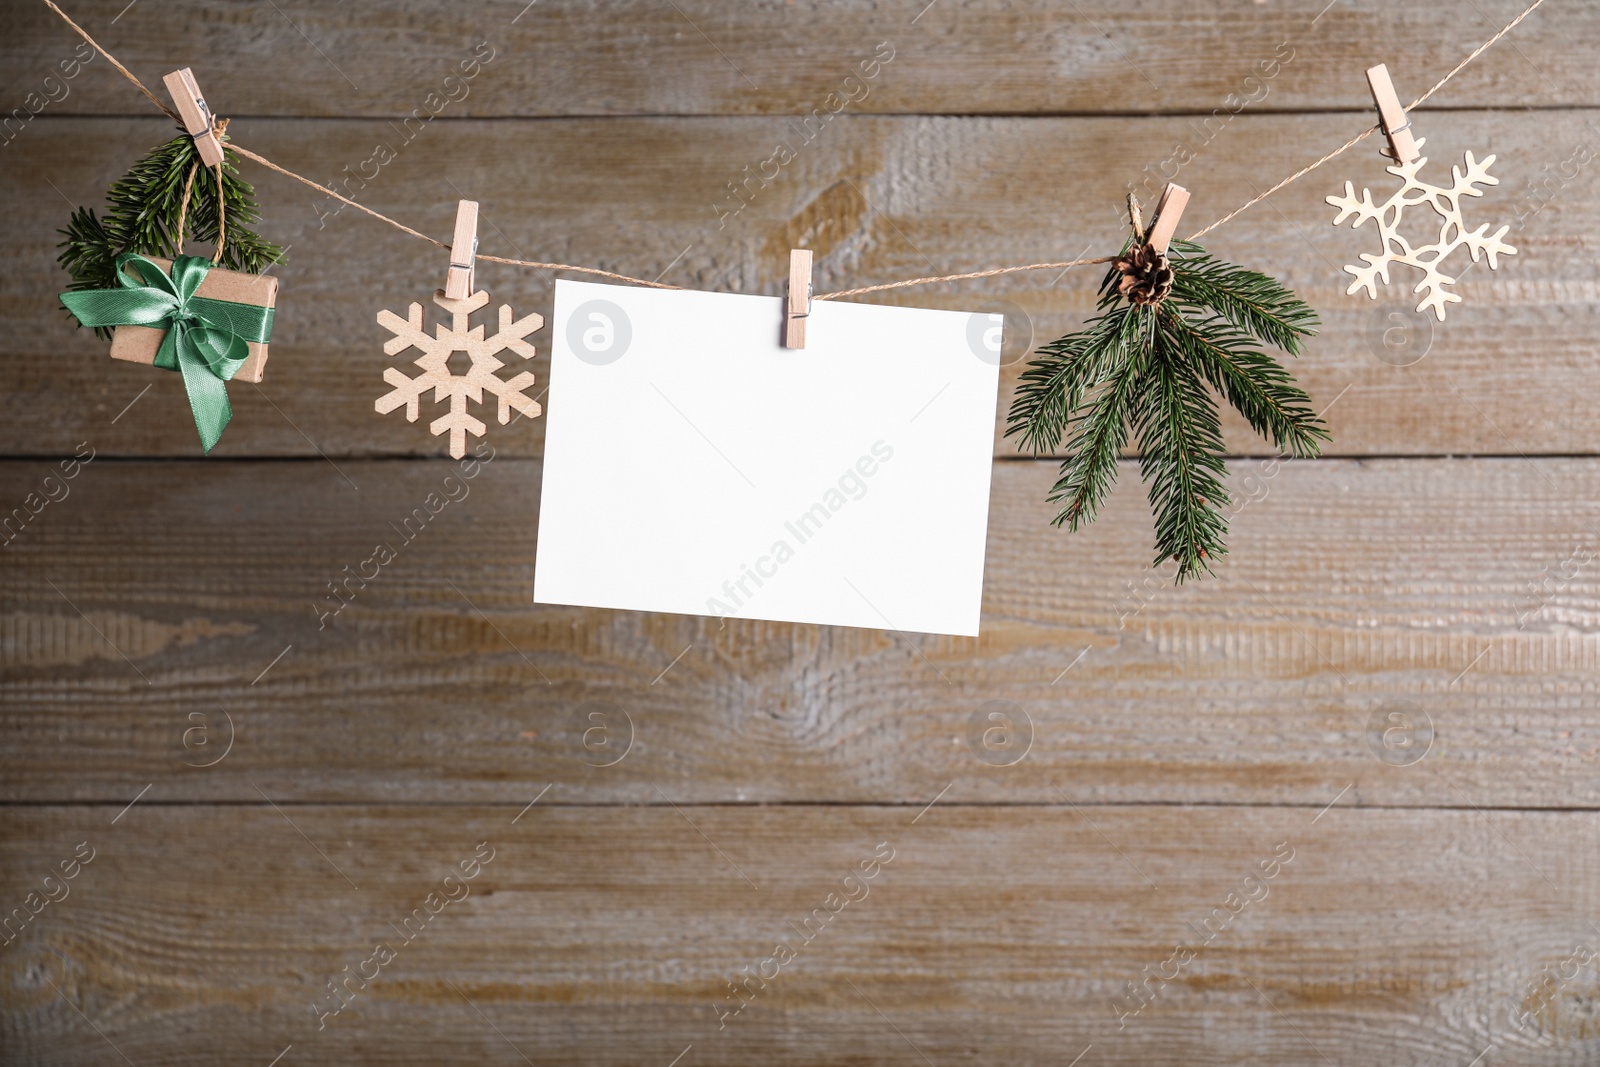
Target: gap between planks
<point x="891" y="805"/>
<point x="1184" y="113"/>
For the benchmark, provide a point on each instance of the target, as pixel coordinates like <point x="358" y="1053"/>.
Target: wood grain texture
<point x="1393" y="673"/>
<point x="1460" y="593"/>
<point x="878" y="199"/>
<point x="991" y="934"/>
<point x="702" y="57"/>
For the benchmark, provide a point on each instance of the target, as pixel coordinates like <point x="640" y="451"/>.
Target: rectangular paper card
<point x="693" y="465"/>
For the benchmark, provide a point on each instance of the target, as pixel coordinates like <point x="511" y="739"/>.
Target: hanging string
<point x="1476" y="52"/>
<point x="1370" y="130"/>
<point x="183" y="205"/>
<point x="222" y="215"/>
<point x="1296" y="176"/>
<point x="126" y="73"/>
<point x="265" y="162"/>
<point x="961" y="277"/>
<point x="222" y="219"/>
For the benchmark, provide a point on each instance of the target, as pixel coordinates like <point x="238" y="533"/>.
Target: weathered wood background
<point x="1394" y="675"/>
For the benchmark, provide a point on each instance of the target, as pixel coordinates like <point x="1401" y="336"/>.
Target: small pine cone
<point x="1146" y="275"/>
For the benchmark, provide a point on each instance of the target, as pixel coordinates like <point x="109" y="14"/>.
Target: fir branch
<point x="1258" y="386"/>
<point x="1098" y="434"/>
<point x="141" y="216"/>
<point x="1051" y="390"/>
<point x="1252" y="301"/>
<point x="90" y="253"/>
<point x="1180" y="437"/>
<point x="1149" y="368"/>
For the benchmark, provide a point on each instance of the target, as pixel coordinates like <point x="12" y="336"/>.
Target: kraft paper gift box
<point x="138" y="344"/>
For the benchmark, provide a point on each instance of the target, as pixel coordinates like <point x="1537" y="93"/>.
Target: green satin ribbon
<point x="207" y="340"/>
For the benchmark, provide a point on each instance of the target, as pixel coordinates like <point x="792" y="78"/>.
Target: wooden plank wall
<point x="1337" y="805"/>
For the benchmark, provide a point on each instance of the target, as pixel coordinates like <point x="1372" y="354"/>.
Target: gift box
<point x="180" y="314"/>
<point x="139" y="344"/>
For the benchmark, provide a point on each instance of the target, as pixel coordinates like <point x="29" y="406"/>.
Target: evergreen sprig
<point x="141" y="216"/>
<point x="1152" y="369"/>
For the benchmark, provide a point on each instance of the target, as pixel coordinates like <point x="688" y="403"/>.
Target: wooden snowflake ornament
<point x="1405" y="149"/>
<point x="481" y="375"/>
<point x="1453" y="232"/>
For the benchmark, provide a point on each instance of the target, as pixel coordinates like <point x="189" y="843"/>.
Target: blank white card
<point x="694" y="465"/>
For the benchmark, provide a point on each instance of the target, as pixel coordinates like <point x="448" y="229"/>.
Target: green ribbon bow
<point x="207" y="340"/>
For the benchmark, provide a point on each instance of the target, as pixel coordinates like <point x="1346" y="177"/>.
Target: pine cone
<point x="1146" y="275"/>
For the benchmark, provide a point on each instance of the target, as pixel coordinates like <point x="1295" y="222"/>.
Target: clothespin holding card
<point x="1392" y="117"/>
<point x="1169" y="209"/>
<point x="196" y="116"/>
<point x="797" y="298"/>
<point x="463" y="251"/>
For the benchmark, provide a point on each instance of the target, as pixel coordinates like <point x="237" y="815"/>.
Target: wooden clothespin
<point x="797" y="298"/>
<point x="1169" y="209"/>
<point x="1392" y="117"/>
<point x="463" y="251"/>
<point x="196" y="116"/>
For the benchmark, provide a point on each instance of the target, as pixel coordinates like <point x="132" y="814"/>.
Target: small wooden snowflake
<point x="1453" y="232"/>
<point x="481" y="376"/>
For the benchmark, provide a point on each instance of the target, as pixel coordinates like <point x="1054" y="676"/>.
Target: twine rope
<point x="993" y="272"/>
<point x="1370" y="130"/>
<point x="219" y="127"/>
<point x="126" y="73"/>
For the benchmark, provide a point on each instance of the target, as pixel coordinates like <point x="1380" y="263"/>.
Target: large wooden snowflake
<point x="481" y="375"/>
<point x="1453" y="232"/>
